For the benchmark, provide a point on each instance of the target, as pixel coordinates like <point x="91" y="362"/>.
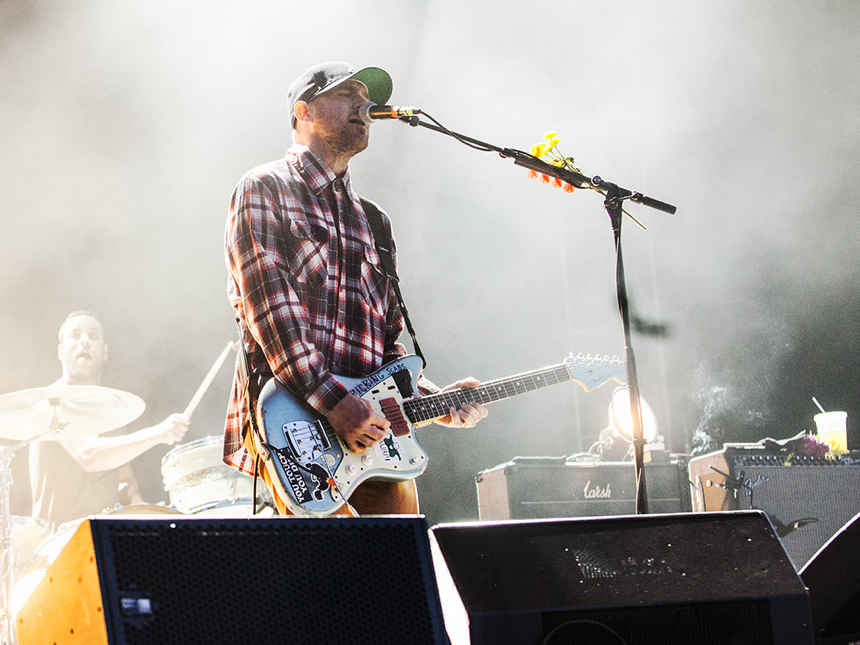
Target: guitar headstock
<point x="592" y="371"/>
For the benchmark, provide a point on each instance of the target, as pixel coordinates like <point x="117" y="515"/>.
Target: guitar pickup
<point x="391" y="410"/>
<point x="306" y="439"/>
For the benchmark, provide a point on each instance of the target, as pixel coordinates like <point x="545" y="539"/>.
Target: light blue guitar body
<point x="314" y="473"/>
<point x="313" y="466"/>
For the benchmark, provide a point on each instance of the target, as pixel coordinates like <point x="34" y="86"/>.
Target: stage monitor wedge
<point x="277" y="581"/>
<point x="674" y="579"/>
<point x="833" y="579"/>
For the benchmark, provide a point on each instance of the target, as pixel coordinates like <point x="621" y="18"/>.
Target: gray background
<point x="125" y="126"/>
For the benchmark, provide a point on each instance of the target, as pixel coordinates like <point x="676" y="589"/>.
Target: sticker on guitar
<point x="312" y="470"/>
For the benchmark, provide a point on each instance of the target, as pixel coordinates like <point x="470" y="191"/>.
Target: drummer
<point x="73" y="478"/>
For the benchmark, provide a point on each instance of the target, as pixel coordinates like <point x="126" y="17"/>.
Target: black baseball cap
<point x="319" y="78"/>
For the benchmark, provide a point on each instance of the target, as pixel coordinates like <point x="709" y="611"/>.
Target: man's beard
<point x="349" y="141"/>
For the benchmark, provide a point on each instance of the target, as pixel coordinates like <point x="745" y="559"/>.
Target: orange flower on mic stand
<point x="549" y="149"/>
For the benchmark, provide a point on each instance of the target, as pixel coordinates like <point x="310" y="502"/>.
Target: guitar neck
<point x="435" y="406"/>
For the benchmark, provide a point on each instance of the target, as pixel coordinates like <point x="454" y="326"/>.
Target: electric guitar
<point x="312" y="470"/>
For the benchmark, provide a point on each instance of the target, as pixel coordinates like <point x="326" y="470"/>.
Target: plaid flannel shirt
<point x="307" y="285"/>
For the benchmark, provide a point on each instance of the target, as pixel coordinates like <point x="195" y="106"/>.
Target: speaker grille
<point x="270" y="581"/>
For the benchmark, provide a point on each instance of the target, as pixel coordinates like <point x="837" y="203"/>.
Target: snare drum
<point x="199" y="483"/>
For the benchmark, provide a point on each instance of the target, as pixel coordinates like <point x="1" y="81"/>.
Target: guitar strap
<point x="244" y="369"/>
<point x="383" y="243"/>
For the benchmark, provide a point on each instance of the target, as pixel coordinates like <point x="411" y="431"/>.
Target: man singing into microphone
<point x="312" y="299"/>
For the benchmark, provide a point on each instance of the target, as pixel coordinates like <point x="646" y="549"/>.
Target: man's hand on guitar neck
<point x="354" y="420"/>
<point x="357" y="424"/>
<point x="468" y="414"/>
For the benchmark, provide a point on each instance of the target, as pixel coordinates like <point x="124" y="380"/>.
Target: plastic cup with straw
<point x="831" y="427"/>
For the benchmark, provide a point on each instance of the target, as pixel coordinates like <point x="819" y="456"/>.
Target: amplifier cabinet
<point x="544" y="487"/>
<point x="807" y="502"/>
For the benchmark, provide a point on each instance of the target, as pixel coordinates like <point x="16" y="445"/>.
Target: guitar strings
<point x="435" y="406"/>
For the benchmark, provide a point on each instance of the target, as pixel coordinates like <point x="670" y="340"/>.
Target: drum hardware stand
<point x="7" y="556"/>
<point x="614" y="197"/>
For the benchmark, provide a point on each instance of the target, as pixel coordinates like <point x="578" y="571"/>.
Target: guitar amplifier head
<point x="545" y="487"/>
<point x="807" y="502"/>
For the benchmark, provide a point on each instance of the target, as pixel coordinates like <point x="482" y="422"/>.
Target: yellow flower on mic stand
<point x="549" y="149"/>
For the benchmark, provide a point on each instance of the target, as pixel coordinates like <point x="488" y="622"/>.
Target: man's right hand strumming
<point x="357" y="424"/>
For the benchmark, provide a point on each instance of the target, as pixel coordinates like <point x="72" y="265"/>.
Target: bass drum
<point x="199" y="483"/>
<point x="50" y="549"/>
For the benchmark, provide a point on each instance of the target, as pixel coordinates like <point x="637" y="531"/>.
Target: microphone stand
<point x="614" y="196"/>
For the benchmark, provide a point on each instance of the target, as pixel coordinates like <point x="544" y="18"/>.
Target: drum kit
<point x="197" y="481"/>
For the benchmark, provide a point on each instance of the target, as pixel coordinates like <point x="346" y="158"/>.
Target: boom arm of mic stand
<point x="531" y="162"/>
<point x="614" y="196"/>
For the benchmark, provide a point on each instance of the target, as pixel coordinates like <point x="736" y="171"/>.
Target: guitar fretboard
<point x="436" y="406"/>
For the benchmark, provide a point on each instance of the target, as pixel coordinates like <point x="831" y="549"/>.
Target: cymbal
<point x="73" y="410"/>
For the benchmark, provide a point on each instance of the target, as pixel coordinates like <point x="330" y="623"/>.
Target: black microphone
<point x="370" y="112"/>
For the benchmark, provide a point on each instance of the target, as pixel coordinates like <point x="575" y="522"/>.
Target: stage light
<point x="616" y="438"/>
<point x="621" y="417"/>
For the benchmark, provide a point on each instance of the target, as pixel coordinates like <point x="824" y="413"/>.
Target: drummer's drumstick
<point x="233" y="344"/>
